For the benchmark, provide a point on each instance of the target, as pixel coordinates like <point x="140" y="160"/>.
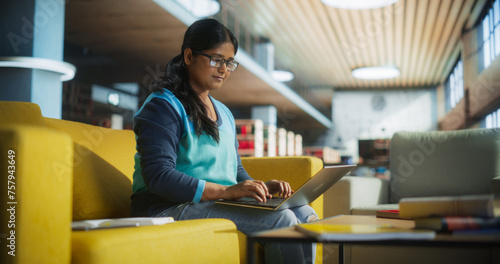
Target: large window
<point x="454" y="86"/>
<point x="492" y="120"/>
<point x="490" y="34"/>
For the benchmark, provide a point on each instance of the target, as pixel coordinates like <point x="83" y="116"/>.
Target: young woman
<point x="187" y="152"/>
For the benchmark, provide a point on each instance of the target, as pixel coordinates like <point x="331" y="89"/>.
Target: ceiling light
<point x="375" y="73"/>
<point x="282" y="76"/>
<point x="66" y="70"/>
<point x="201" y="8"/>
<point x="114" y="99"/>
<point x="358" y="4"/>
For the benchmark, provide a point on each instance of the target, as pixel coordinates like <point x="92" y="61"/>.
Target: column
<point x="31" y="66"/>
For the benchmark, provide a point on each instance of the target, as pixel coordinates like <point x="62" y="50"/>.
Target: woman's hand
<point x="255" y="189"/>
<point x="281" y="187"/>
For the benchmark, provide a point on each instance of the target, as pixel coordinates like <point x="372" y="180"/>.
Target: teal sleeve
<point x="199" y="191"/>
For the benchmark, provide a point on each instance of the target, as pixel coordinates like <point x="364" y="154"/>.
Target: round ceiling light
<point x="375" y="73"/>
<point x="66" y="70"/>
<point x="282" y="76"/>
<point x="358" y="4"/>
<point x="201" y="8"/>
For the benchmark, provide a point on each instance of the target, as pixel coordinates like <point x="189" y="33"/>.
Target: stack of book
<point x="453" y="213"/>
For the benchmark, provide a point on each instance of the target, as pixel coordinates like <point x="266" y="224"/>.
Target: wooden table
<point x="290" y="235"/>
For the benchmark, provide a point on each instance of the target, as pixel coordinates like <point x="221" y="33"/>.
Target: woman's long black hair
<point x="201" y="35"/>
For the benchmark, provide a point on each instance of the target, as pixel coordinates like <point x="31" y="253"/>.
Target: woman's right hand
<point x="255" y="189"/>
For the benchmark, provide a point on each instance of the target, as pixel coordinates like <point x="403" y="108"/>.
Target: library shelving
<point x="374" y="152"/>
<point x="281" y="147"/>
<point x="250" y="136"/>
<point x="270" y="140"/>
<point x="327" y="154"/>
<point x="290" y="143"/>
<point x="298" y="145"/>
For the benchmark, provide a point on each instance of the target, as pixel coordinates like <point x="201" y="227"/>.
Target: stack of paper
<point x="120" y="222"/>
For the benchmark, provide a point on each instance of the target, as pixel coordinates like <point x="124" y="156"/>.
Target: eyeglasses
<point x="217" y="62"/>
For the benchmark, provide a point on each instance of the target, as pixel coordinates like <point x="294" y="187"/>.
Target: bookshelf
<point x="77" y="103"/>
<point x="290" y="143"/>
<point x="281" y="147"/>
<point x="270" y="140"/>
<point x="374" y="152"/>
<point x="298" y="145"/>
<point x="250" y="136"/>
<point x="327" y="154"/>
<point x="258" y="140"/>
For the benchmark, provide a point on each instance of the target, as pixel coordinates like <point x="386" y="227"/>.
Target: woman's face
<point x="202" y="76"/>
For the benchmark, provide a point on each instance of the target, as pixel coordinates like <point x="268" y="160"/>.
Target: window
<point x="490" y="35"/>
<point x="492" y="120"/>
<point x="454" y="86"/>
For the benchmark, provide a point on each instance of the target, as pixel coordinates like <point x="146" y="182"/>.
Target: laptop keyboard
<point x="275" y="201"/>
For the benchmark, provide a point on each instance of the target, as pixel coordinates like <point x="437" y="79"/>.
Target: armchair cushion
<point x="190" y="241"/>
<point x="443" y="163"/>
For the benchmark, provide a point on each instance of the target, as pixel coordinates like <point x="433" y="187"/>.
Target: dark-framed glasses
<point x="217" y="62"/>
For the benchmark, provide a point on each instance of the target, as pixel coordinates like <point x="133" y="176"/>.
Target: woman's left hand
<point x="281" y="187"/>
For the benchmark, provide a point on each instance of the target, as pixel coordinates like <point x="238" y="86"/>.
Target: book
<point x="452" y="223"/>
<point x="120" y="222"/>
<point x="362" y="232"/>
<point x="466" y="205"/>
<point x="388" y="214"/>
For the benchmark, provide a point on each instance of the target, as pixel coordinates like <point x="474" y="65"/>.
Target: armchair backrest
<point x="103" y="161"/>
<point x="441" y="163"/>
<point x="102" y="171"/>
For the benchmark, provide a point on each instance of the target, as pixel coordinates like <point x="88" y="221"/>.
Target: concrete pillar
<point x="33" y="29"/>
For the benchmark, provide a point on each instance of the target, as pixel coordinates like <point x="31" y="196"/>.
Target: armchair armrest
<point x="190" y="241"/>
<point x="295" y="170"/>
<point x="351" y="192"/>
<point x="41" y="170"/>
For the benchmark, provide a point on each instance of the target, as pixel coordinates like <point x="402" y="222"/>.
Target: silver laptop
<point x="306" y="194"/>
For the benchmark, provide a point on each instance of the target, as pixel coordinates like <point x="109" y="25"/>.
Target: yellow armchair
<point x="67" y="171"/>
<point x="37" y="227"/>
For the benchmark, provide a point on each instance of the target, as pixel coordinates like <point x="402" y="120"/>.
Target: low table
<point x="290" y="235"/>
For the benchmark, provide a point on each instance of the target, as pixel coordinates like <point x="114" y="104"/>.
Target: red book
<point x="388" y="214"/>
<point x="454" y="223"/>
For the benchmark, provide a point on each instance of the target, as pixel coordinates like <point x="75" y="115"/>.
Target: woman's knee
<point x="305" y="214"/>
<point x="285" y="218"/>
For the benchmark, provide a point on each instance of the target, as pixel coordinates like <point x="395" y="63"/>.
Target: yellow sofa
<point x="65" y="171"/>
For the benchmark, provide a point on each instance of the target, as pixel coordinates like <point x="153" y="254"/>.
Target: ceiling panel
<point x="322" y="44"/>
<point x="319" y="43"/>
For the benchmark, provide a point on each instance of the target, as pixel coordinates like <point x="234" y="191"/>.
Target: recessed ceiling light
<point x="375" y="73"/>
<point x="201" y="8"/>
<point x="282" y="76"/>
<point x="358" y="4"/>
